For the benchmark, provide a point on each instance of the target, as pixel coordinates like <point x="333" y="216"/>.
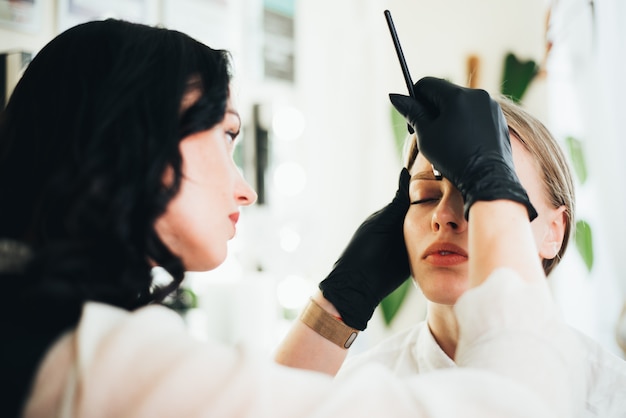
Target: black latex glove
<point x="374" y="263"/>
<point x="463" y="133"/>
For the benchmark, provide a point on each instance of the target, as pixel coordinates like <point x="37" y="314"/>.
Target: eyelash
<point x="421" y="201"/>
<point x="232" y="135"/>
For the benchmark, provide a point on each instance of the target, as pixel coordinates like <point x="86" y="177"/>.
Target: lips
<point x="444" y="254"/>
<point x="234" y="217"/>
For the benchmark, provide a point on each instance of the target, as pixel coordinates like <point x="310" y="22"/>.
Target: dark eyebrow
<point x="424" y="175"/>
<point x="236" y="114"/>
<point x="194" y="83"/>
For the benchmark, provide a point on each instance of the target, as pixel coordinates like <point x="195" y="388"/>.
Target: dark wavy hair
<point x="85" y="139"/>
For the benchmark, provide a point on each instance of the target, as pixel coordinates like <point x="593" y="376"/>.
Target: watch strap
<point x="327" y="325"/>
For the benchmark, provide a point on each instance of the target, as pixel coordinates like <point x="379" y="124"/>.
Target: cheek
<point x="195" y="226"/>
<point x="529" y="175"/>
<point x="539" y="227"/>
<point x="189" y="230"/>
<point x="413" y="229"/>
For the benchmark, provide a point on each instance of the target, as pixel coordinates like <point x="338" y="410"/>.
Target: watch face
<point x="350" y="339"/>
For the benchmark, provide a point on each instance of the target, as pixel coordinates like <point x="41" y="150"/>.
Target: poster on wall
<point x="21" y="15"/>
<point x="209" y="21"/>
<point x="73" y="12"/>
<point x="279" y="43"/>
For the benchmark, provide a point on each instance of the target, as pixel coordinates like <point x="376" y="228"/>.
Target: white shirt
<point x="415" y="350"/>
<point x="144" y="364"/>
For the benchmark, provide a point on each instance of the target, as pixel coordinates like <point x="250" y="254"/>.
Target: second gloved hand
<point x="374" y="263"/>
<point x="463" y="133"/>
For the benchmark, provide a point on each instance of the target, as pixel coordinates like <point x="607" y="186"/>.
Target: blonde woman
<point x="437" y="235"/>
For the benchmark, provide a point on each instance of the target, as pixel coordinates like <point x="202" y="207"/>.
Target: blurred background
<point x="322" y="145"/>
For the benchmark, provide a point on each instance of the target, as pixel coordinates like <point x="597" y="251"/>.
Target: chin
<point x="444" y="292"/>
<point x="207" y="263"/>
<point x="439" y="299"/>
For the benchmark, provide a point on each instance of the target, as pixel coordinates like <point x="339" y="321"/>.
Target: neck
<point x="444" y="327"/>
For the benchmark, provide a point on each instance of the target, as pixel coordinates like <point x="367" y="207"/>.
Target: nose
<point x="244" y="193"/>
<point x="449" y="214"/>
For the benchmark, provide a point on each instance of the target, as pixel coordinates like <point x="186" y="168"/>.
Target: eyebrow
<point x="424" y="175"/>
<point x="235" y="113"/>
<point x="194" y="83"/>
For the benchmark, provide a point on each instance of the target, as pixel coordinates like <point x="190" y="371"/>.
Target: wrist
<point x="490" y="177"/>
<point x="328" y="325"/>
<point x="325" y="304"/>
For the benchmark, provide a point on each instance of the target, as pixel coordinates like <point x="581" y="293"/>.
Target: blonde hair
<point x="549" y="160"/>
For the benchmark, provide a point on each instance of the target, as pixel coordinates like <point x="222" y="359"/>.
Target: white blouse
<point x="415" y="351"/>
<point x="514" y="362"/>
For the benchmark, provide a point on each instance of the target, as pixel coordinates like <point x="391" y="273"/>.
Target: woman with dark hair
<point x="91" y="129"/>
<point x="116" y="157"/>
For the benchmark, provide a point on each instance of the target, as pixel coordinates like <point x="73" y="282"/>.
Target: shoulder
<point x="396" y="342"/>
<point x="605" y="363"/>
<point x="115" y="359"/>
<point x="388" y="352"/>
<point x="605" y="372"/>
<point x="103" y="327"/>
<point x="401" y="340"/>
<point x="137" y="359"/>
<point x="148" y="336"/>
<point x="101" y="321"/>
<point x="106" y="318"/>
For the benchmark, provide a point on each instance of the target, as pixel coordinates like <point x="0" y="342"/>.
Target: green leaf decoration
<point x="584" y="243"/>
<point x="575" y="148"/>
<point x="400" y="131"/>
<point x="517" y="76"/>
<point x="181" y="300"/>
<point x="390" y="305"/>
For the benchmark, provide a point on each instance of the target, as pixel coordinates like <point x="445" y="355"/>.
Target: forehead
<point x="420" y="165"/>
<point x="521" y="158"/>
<point x="422" y="170"/>
<point x="526" y="168"/>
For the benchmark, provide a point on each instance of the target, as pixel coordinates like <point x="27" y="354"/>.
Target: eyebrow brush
<point x="396" y="44"/>
<point x="405" y="71"/>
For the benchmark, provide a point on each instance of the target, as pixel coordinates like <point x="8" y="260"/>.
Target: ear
<point x="553" y="238"/>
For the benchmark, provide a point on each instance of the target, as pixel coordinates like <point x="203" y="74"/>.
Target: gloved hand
<point x="463" y="133"/>
<point x="374" y="263"/>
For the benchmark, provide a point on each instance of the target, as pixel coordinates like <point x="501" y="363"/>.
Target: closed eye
<point x="427" y="200"/>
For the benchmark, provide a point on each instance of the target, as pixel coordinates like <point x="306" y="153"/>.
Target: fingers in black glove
<point x="374" y="263"/>
<point x="464" y="134"/>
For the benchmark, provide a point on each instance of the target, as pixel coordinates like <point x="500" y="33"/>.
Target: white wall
<point x="346" y="66"/>
<point x="28" y="41"/>
<point x="586" y="90"/>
